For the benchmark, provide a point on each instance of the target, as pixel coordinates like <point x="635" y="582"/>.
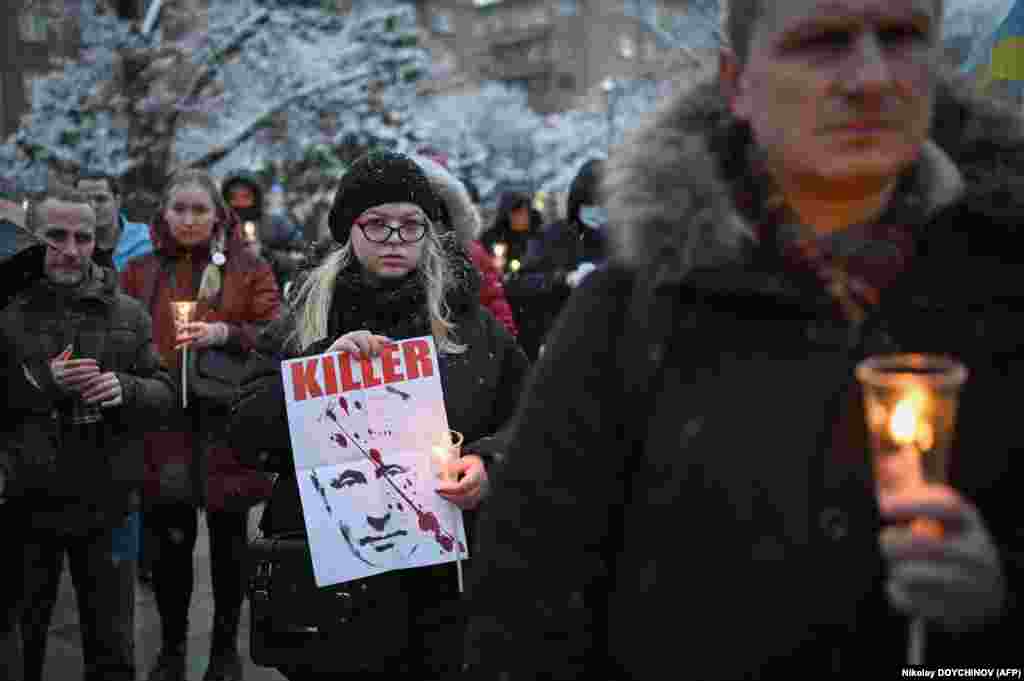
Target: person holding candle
<point x="397" y="271"/>
<point x="199" y="258"/>
<point x="268" y="233"/>
<point x="83" y="382"/>
<point x="689" y="483"/>
<point x="516" y="225"/>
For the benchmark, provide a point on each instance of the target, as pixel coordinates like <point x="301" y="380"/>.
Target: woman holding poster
<point x="398" y="271"/>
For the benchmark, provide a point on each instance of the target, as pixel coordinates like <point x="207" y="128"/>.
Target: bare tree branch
<point x="221" y="150"/>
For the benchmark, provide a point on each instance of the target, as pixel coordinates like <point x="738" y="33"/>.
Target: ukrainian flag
<point x="1001" y="56"/>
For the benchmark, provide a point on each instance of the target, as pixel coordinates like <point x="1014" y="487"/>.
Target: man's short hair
<point x="97" y="175"/>
<point x="63" y="194"/>
<point x="739" y="18"/>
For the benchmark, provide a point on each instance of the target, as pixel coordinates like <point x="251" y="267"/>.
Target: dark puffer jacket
<point x="79" y="478"/>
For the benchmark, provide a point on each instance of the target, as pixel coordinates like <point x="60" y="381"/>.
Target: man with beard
<point x="83" y="382"/>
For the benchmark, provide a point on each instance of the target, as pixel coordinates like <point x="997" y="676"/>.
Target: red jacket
<point x="492" y="291"/>
<point x="249" y="299"/>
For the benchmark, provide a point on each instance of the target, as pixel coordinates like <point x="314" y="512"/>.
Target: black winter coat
<point x="539" y="287"/>
<point x="723" y="520"/>
<point x="425" y="624"/>
<point x="78" y="478"/>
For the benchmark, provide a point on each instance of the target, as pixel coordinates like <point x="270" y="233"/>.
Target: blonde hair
<point x="212" y="279"/>
<point x="312" y="301"/>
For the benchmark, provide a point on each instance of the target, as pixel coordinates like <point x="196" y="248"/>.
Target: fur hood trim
<point x="465" y="219"/>
<point x="670" y="188"/>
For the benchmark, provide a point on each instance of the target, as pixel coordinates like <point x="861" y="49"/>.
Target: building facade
<point x="558" y="51"/>
<point x="38" y="36"/>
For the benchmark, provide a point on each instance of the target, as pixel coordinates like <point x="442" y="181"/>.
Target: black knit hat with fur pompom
<point x="377" y="178"/>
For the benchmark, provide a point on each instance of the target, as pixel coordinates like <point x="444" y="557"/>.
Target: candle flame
<point x="184" y="310"/>
<point x="250" y="231"/>
<point x="907" y="424"/>
<point x="500" y="250"/>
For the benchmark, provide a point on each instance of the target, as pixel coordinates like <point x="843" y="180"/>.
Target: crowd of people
<point x="667" y="462"/>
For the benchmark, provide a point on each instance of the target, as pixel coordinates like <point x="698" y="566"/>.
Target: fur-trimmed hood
<point x="462" y="215"/>
<point x="670" y="189"/>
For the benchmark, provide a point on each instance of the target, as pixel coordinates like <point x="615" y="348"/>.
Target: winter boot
<point x="170" y="664"/>
<point x="225" y="663"/>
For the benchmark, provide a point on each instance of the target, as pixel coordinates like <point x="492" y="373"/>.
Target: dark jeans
<point x="104" y="585"/>
<point x="171" y="532"/>
<point x="12" y="665"/>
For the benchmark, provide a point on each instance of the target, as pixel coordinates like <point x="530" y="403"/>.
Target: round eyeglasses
<point x="379" y="231"/>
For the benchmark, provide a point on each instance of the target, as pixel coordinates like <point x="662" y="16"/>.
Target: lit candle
<point x="911" y="434"/>
<point x="250" y="230"/>
<point x="445" y="453"/>
<point x="910" y="403"/>
<point x="500" y="250"/>
<point x="184" y="311"/>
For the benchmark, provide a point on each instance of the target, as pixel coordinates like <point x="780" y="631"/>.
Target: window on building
<point x="627" y="47"/>
<point x="567" y="81"/>
<point x="646" y="10"/>
<point x="518" y="84"/>
<point x="128" y="9"/>
<point x="440" y="22"/>
<point x="33" y="23"/>
<point x="568" y="8"/>
<point x="539" y="86"/>
<point x="29" y="81"/>
<point x="651" y="49"/>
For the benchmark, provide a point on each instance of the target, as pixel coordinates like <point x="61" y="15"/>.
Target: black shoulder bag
<point x="215" y="375"/>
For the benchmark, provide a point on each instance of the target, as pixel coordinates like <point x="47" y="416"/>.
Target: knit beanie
<point x="377" y="178"/>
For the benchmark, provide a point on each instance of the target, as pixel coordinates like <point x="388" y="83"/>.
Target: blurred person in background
<point x="564" y="254"/>
<point x="516" y="223"/>
<point x="459" y="206"/>
<point x="264" y="222"/>
<point x="117" y="239"/>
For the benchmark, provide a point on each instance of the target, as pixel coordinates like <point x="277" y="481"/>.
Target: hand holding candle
<point x="910" y="402"/>
<point x="448" y="463"/>
<point x="444" y="455"/>
<point x="183" y="312"/>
